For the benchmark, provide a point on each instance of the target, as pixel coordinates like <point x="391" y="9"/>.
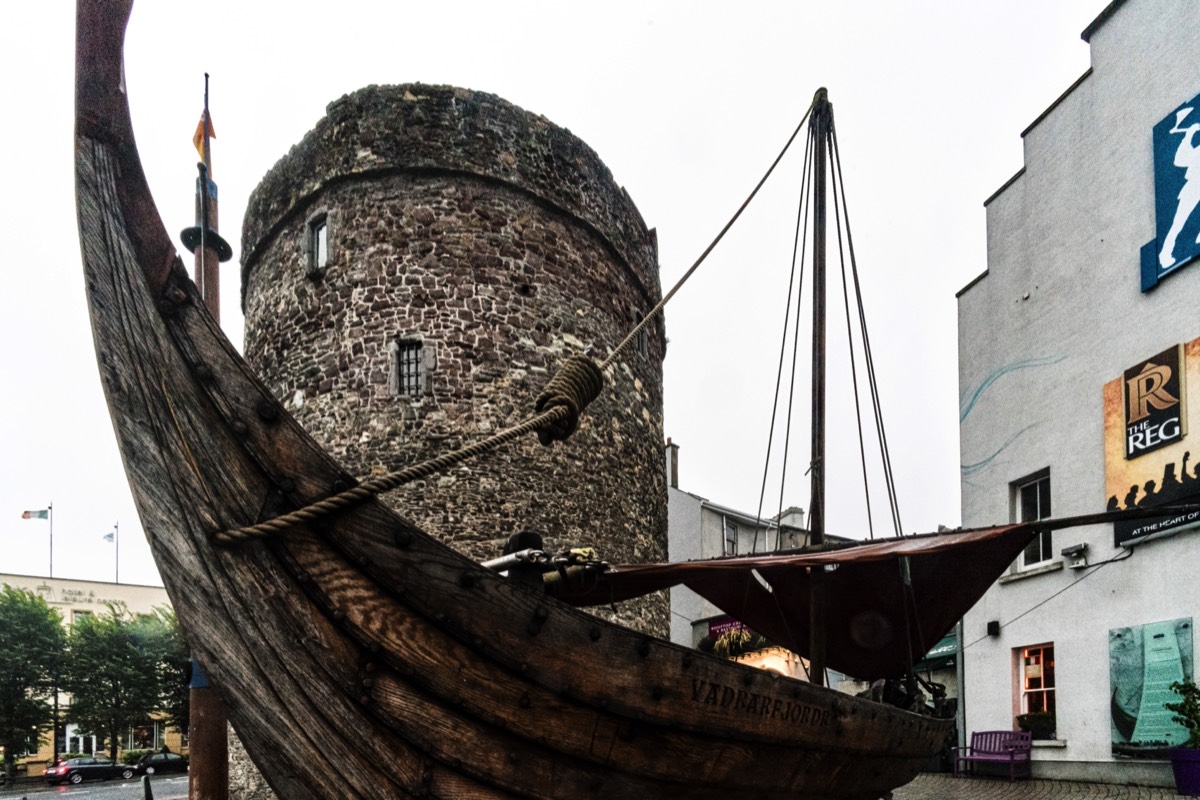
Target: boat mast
<point x="820" y="124"/>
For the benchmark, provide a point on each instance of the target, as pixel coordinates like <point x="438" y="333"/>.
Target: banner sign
<point x="1176" y="195"/>
<point x="1143" y="662"/>
<point x="719" y="627"/>
<point x="1147" y="458"/>
<point x="1153" y="404"/>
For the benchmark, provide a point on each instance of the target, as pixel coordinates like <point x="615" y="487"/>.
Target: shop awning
<point x="941" y="654"/>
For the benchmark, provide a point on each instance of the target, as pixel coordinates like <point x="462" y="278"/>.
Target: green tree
<point x="112" y="673"/>
<point x="174" y="667"/>
<point x="31" y="646"/>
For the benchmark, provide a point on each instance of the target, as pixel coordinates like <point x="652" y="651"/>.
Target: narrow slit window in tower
<point x="318" y="245"/>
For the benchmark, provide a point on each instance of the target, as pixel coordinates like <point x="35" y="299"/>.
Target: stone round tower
<point x="415" y="270"/>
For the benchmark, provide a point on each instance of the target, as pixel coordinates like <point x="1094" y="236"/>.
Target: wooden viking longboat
<point x="359" y="657"/>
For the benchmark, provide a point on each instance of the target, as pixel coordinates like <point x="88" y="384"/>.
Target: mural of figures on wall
<point x="1143" y="662"/>
<point x="1149" y="460"/>
<point x="1176" y="243"/>
<point x="1187" y="158"/>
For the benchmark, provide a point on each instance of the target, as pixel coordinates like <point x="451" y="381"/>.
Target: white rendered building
<point x="1079" y="378"/>
<point x="699" y="529"/>
<point x="74" y="599"/>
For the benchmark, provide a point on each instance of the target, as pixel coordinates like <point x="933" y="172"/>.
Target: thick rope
<point x="576" y="384"/>
<point x="392" y="480"/>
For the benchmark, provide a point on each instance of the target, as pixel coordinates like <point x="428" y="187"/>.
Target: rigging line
<point x="1092" y="570"/>
<point x="787" y="308"/>
<point x="885" y="451"/>
<point x="385" y="483"/>
<point x="800" y="238"/>
<point x="862" y="442"/>
<point x="881" y="429"/>
<point x="791" y="402"/>
<point x="868" y="356"/>
<point x="787" y="628"/>
<point x="869" y="360"/>
<point x="903" y="567"/>
<point x="912" y="591"/>
<point x="679" y="284"/>
<point x="877" y="404"/>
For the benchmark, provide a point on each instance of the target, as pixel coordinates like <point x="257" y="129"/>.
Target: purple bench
<point x="996" y="747"/>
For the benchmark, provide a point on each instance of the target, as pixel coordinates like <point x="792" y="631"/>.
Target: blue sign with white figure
<point x="1176" y="195"/>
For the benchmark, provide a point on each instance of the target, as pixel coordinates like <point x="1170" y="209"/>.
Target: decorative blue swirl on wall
<point x="970" y="469"/>
<point x="967" y="402"/>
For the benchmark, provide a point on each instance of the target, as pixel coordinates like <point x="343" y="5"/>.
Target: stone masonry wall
<point x="500" y="243"/>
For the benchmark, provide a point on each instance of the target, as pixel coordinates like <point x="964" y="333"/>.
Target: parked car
<point x="159" y="763"/>
<point x="88" y="768"/>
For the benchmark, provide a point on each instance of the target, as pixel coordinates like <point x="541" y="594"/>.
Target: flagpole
<point x="206" y="271"/>
<point x="117" y="553"/>
<point x="208" y="776"/>
<point x="50" y="516"/>
<point x="203" y="240"/>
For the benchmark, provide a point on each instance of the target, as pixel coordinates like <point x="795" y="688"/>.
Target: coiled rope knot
<point x="577" y="383"/>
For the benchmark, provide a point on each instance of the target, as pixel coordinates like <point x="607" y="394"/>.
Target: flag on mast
<point x="110" y="536"/>
<point x="204" y="132"/>
<point x="41" y="514"/>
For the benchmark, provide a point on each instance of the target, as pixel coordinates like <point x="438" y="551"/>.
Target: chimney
<point x="792" y="517"/>
<point x="672" y="464"/>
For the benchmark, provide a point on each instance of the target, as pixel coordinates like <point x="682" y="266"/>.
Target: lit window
<point x="1032" y="498"/>
<point x="1037" y="679"/>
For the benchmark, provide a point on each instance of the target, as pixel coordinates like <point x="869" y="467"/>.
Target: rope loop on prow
<point x="577" y="383"/>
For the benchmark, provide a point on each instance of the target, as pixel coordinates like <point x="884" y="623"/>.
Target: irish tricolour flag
<point x="43" y="514"/>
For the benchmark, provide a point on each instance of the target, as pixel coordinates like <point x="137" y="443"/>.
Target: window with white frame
<point x="147" y="736"/>
<point x="731" y="538"/>
<point x="1037" y="679"/>
<point x="77" y="742"/>
<point x="1031" y="499"/>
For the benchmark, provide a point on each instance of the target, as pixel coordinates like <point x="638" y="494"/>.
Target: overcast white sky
<point x="686" y="102"/>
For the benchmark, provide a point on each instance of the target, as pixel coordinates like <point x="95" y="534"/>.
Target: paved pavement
<point x="926" y="786"/>
<point x="942" y="786"/>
